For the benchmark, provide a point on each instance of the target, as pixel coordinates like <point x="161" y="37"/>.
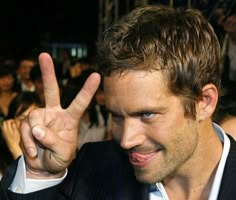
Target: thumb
<point x="39" y="132"/>
<point x="38" y="138"/>
<point x="45" y="137"/>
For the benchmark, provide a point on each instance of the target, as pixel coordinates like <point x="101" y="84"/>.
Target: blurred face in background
<point x="25" y="68"/>
<point x="230" y="26"/>
<point x="6" y="83"/>
<point x="11" y="129"/>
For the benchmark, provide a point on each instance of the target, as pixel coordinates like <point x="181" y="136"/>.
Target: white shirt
<point x="22" y="185"/>
<point x="25" y="88"/>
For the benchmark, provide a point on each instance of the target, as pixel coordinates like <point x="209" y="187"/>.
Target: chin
<point x="147" y="178"/>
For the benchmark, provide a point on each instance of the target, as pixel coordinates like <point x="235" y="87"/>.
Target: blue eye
<point x="147" y="115"/>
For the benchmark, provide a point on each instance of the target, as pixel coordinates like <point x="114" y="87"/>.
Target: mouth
<point x="141" y="159"/>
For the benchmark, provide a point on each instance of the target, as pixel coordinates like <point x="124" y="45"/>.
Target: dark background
<point x="29" y="24"/>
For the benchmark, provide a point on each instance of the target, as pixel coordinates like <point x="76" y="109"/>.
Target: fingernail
<point x="32" y="152"/>
<point x="38" y="133"/>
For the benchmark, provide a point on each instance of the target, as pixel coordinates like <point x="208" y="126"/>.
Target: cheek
<point x="168" y="129"/>
<point x="186" y="136"/>
<point x="10" y="81"/>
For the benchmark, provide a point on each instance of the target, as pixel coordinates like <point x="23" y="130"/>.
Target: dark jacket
<point x="101" y="171"/>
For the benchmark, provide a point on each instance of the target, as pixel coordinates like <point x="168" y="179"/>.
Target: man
<point x="23" y="75"/>
<point x="229" y="51"/>
<point x="226" y="23"/>
<point x="35" y="76"/>
<point x="161" y="82"/>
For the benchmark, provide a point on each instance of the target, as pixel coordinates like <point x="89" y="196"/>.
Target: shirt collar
<point x="220" y="169"/>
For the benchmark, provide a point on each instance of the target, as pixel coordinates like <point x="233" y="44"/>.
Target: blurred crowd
<point x="21" y="90"/>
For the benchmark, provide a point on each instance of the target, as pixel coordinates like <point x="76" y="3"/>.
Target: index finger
<point x="50" y="85"/>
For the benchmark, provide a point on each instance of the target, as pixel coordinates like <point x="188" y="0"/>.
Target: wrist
<point x="38" y="174"/>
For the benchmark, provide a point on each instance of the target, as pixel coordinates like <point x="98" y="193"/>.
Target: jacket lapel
<point x="228" y="185"/>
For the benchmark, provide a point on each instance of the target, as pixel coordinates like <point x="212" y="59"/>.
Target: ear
<point x="208" y="101"/>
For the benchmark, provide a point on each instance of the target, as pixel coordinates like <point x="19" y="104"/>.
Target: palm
<point x="56" y="148"/>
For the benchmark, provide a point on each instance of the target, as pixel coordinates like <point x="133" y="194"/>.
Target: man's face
<point x="230" y="24"/>
<point x="25" y="68"/>
<point x="230" y="27"/>
<point x="148" y="121"/>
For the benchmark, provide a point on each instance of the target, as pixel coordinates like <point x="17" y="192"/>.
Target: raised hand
<point x="10" y="133"/>
<point x="49" y="135"/>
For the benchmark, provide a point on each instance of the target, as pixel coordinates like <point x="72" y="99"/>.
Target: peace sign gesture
<point x="49" y="135"/>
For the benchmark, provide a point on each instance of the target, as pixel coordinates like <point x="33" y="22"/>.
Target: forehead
<point x="6" y="76"/>
<point x="25" y="63"/>
<point x="134" y="79"/>
<point x="135" y="88"/>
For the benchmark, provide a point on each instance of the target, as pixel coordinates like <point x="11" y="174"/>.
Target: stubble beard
<point x="167" y="167"/>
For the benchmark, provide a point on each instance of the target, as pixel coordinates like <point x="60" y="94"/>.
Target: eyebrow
<point x="140" y="112"/>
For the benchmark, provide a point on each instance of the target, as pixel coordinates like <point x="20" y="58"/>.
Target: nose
<point x="133" y="134"/>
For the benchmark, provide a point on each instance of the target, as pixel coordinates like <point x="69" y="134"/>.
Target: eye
<point x="147" y="115"/>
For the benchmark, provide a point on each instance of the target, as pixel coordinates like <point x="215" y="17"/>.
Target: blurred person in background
<point x="225" y="114"/>
<point x="36" y="77"/>
<point x="24" y="82"/>
<point x="224" y="15"/>
<point x="229" y="50"/>
<point x="19" y="108"/>
<point x="101" y="109"/>
<point x="95" y="122"/>
<point x="7" y="92"/>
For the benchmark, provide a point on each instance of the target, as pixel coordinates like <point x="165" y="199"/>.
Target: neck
<point x="193" y="180"/>
<point x="27" y="82"/>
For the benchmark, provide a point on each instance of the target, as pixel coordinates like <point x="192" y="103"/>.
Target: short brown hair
<point x="181" y="43"/>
